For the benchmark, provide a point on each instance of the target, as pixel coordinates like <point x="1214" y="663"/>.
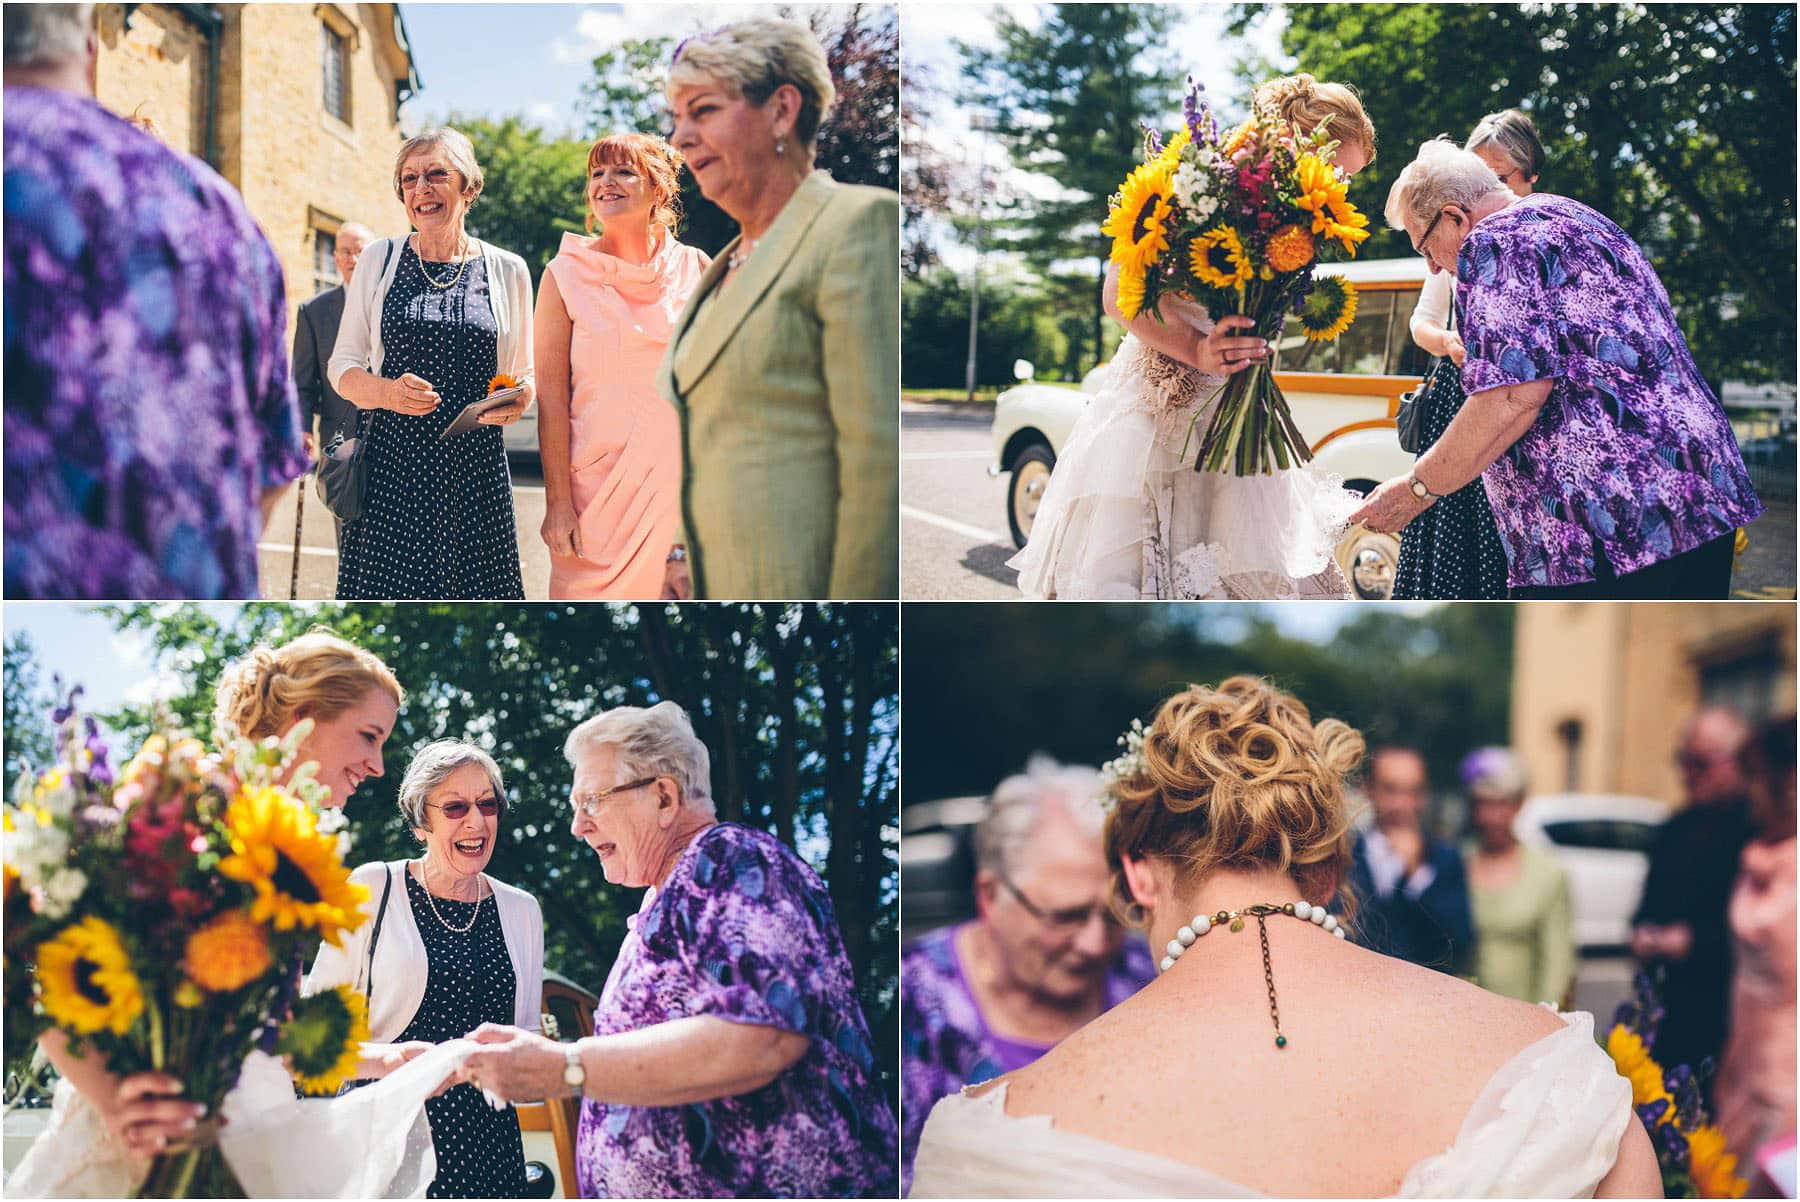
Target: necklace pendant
<point x="1281" y="1041"/>
<point x="1237" y="924"/>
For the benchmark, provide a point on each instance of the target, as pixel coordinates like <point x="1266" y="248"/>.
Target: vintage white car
<point x="1603" y="843"/>
<point x="1344" y="395"/>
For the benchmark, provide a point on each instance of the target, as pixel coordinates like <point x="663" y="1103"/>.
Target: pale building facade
<point x="1600" y="692"/>
<point x="298" y="105"/>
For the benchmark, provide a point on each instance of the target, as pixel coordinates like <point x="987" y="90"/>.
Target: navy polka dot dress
<point x="437" y="521"/>
<point x="480" y="1153"/>
<point x="1452" y="551"/>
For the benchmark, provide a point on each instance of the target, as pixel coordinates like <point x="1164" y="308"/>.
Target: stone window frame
<point x="334" y="23"/>
<point x="323" y="228"/>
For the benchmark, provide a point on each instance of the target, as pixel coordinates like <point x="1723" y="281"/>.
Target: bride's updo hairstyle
<point x="263" y="693"/>
<point x="1235" y="777"/>
<point x="1303" y="102"/>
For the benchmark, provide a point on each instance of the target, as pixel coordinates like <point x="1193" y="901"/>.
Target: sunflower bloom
<point x="1137" y="223"/>
<point x="502" y="381"/>
<point x="1131" y="293"/>
<point x="1329" y="310"/>
<point x="1322" y="193"/>
<point x="1711" y="1166"/>
<point x="1218" y="259"/>
<point x="86" y="979"/>
<point x="1171" y="151"/>
<point x="227" y="953"/>
<point x="1638" y="1067"/>
<point x="278" y="851"/>
<point x="323" y="1037"/>
<point x="1290" y="248"/>
<point x="1347" y="225"/>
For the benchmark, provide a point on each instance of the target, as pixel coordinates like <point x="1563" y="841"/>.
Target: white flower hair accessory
<point x="1126" y="765"/>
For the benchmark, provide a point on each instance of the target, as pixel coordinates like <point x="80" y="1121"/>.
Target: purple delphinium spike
<point x="1191" y="106"/>
<point x="1153" y="143"/>
<point x="99" y="770"/>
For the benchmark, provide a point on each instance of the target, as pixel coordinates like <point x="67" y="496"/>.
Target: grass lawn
<point x="983" y="396"/>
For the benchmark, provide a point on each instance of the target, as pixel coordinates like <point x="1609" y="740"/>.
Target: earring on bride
<point x="1200" y="924"/>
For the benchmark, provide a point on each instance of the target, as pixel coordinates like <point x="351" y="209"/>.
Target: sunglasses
<point x="456" y="811"/>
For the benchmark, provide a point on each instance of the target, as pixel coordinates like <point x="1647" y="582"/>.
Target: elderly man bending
<point x="1609" y="464"/>
<point x="1043" y="958"/>
<point x="730" y="1056"/>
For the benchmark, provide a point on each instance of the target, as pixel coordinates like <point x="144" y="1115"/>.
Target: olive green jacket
<point x="788" y="387"/>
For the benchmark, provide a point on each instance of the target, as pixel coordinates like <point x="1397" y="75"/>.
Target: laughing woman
<point x="450" y="949"/>
<point x="430" y="320"/>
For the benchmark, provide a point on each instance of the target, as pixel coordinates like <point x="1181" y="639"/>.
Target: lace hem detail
<point x="1165" y="385"/>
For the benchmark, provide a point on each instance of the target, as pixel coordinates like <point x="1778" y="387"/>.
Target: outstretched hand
<point x="515" y="1065"/>
<point x="1390" y="507"/>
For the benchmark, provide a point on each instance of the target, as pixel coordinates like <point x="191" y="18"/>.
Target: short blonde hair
<point x="262" y="693"/>
<point x="651" y="157"/>
<point x="457" y="148"/>
<point x="1304" y="103"/>
<point x="1236" y="777"/>
<point x="657" y="741"/>
<point x="1443" y="174"/>
<point x="753" y="58"/>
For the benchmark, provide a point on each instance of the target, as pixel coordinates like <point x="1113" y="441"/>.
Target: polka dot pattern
<point x="437" y="520"/>
<point x="1452" y="551"/>
<point x="480" y="1153"/>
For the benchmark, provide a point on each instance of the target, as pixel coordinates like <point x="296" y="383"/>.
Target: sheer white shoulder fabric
<point x="1126" y="517"/>
<point x="374" y="1142"/>
<point x="1546" y="1125"/>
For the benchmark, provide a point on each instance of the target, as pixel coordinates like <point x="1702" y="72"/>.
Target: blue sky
<point x="494" y="59"/>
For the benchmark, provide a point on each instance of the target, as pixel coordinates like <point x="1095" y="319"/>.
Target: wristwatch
<point x="574" y="1073"/>
<point x="1418" y="488"/>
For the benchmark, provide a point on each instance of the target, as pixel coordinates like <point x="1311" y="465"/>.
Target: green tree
<point x="534" y="192"/>
<point x="934" y="324"/>
<point x="1067" y="94"/>
<point x="797" y="705"/>
<point x="27" y="707"/>
<point x="625" y="91"/>
<point x="1676" y="121"/>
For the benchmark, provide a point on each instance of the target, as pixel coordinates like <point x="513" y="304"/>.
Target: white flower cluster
<point x="1126" y="765"/>
<point x="1190" y="185"/>
<point x="37" y="844"/>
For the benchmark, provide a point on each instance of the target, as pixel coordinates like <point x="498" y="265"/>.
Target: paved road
<point x="954" y="542"/>
<point x="318" y="543"/>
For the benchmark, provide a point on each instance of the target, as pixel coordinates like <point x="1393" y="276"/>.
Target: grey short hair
<point x="432" y="766"/>
<point x="753" y="58"/>
<point x="46" y="33"/>
<point x="1513" y="134"/>
<point x="658" y="741"/>
<point x="457" y="148"/>
<point x="1443" y="174"/>
<point x="1016" y="810"/>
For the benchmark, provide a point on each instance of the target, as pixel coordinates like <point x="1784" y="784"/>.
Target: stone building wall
<point x="157" y="67"/>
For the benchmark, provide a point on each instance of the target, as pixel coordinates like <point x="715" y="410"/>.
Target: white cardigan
<point x="400" y="964"/>
<point x="359" y="331"/>
<point x="1434" y="302"/>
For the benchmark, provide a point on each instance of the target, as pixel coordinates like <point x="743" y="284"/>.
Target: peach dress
<point x="625" y="439"/>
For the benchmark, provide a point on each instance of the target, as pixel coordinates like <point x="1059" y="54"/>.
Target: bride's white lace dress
<point x="1126" y="516"/>
<point x="1546" y="1125"/>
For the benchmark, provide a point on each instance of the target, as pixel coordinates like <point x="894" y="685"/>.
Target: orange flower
<point x="227" y="953"/>
<point x="1711" y="1166"/>
<point x="1290" y="248"/>
<point x="501" y="381"/>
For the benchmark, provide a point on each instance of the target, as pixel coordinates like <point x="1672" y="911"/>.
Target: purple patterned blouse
<point x="1632" y="452"/>
<point x="945" y="1042"/>
<point x="148" y="401"/>
<point x="743" y="930"/>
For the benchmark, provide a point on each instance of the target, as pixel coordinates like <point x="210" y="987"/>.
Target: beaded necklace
<point x="1200" y="924"/>
<point x="461" y="263"/>
<point x="474" y="915"/>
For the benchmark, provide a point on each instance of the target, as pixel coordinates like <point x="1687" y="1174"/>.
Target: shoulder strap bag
<point x="368" y="972"/>
<point x="343" y="472"/>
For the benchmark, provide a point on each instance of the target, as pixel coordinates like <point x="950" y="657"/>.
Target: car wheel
<point x="1030" y="476"/>
<point x="1369" y="561"/>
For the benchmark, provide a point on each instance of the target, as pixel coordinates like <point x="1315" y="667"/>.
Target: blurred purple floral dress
<point x="1632" y="455"/>
<point x="148" y="399"/>
<point x="743" y="930"/>
<point x="945" y="1042"/>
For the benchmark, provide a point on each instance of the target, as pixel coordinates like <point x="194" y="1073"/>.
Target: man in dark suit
<point x="315" y="334"/>
<point x="1412" y="894"/>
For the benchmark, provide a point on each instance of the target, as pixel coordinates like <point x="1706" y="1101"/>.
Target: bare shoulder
<point x="1469" y="1014"/>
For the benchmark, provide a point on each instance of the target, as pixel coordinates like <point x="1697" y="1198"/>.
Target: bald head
<point x="1708" y="758"/>
<point x="352" y="238"/>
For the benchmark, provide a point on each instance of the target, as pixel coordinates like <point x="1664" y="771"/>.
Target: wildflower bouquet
<point x="162" y="919"/>
<point x="1239" y="223"/>
<point x="1689" y="1150"/>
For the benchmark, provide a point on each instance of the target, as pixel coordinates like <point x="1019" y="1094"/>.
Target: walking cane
<point x="299" y="513"/>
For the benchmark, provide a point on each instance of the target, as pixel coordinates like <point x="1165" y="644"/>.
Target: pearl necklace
<point x="430" y="901"/>
<point x="1200" y="924"/>
<point x="461" y="263"/>
<point x="743" y="252"/>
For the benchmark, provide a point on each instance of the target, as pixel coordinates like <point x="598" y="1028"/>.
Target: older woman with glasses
<point x="1043" y="958"/>
<point x="449" y="948"/>
<point x="1609" y="464"/>
<point x="730" y="1057"/>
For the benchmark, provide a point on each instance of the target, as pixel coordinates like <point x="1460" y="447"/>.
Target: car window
<point x="1601" y="834"/>
<point x="1295" y="353"/>
<point x="1405" y="357"/>
<point x="1362" y="349"/>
